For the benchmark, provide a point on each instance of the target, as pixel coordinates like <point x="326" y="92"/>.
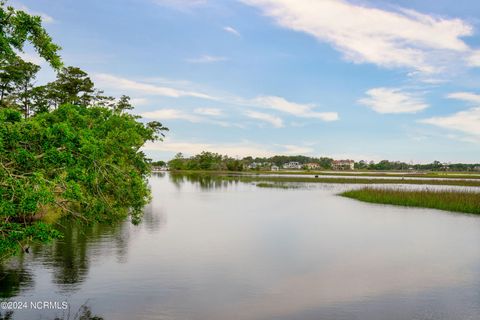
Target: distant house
<point x="292" y="165"/>
<point x="312" y="166"/>
<point x="343" y="165"/>
<point x="275" y="168"/>
<point x="477" y="168"/>
<point x="254" y="165"/>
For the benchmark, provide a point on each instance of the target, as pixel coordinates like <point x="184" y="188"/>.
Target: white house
<point x="312" y="166"/>
<point x="275" y="168"/>
<point x="292" y="165"/>
<point x="343" y="165"/>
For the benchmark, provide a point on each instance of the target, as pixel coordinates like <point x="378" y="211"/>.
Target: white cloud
<point x="242" y="148"/>
<point x="108" y="81"/>
<point x="396" y="38"/>
<point x="196" y="117"/>
<point x="138" y="101"/>
<point x="296" y="150"/>
<point x="32" y="58"/>
<point x="467" y="121"/>
<point x="392" y="100"/>
<point x="165" y="87"/>
<point x="273" y="120"/>
<point x="474" y="59"/>
<point x="208" y="111"/>
<point x="171" y="114"/>
<point x="207" y="59"/>
<point x="296" y="109"/>
<point x="232" y="31"/>
<point x="465" y="96"/>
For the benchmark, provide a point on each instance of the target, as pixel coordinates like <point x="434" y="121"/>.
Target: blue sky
<point x="368" y="80"/>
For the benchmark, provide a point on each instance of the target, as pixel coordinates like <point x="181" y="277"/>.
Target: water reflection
<point x="243" y="252"/>
<point x="203" y="181"/>
<point x="14" y="277"/>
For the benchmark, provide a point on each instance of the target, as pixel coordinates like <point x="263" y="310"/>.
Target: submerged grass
<point x="275" y="185"/>
<point x="467" y="202"/>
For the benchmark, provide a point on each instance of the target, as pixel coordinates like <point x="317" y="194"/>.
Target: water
<point x="208" y="249"/>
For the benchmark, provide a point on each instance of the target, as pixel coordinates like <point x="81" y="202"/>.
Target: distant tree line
<point x="205" y="161"/>
<point x="214" y="161"/>
<point x="386" y="165"/>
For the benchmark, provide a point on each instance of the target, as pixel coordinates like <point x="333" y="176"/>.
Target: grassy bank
<point x="467" y="202"/>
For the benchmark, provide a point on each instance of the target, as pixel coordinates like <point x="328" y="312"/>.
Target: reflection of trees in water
<point x="153" y="218"/>
<point x="204" y="180"/>
<point x="69" y="258"/>
<point x="13" y="278"/>
<point x="159" y="174"/>
<point x="7" y="316"/>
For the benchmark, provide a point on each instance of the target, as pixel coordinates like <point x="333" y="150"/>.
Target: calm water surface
<point x="224" y="250"/>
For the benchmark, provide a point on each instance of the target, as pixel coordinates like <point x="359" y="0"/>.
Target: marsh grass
<point x="275" y="185"/>
<point x="341" y="180"/>
<point x="467" y="202"/>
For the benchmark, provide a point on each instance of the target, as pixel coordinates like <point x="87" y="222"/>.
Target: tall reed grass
<point x="467" y="202"/>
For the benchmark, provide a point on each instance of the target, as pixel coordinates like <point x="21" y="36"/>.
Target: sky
<point x="364" y="80"/>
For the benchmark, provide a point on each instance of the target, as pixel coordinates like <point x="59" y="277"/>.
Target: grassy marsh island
<point x="345" y="180"/>
<point x="275" y="185"/>
<point x="466" y="202"/>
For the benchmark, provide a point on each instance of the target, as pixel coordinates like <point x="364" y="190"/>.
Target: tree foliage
<point x="17" y="28"/>
<point x="66" y="149"/>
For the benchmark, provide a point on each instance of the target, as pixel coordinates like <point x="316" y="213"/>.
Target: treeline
<point x="214" y="161"/>
<point x="65" y="148"/>
<point x="205" y="161"/>
<point x="386" y="165"/>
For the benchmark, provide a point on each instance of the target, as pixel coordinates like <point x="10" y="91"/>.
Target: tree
<point x="72" y="86"/>
<point x="82" y="162"/>
<point x="28" y="72"/>
<point x="18" y="27"/>
<point x="123" y="104"/>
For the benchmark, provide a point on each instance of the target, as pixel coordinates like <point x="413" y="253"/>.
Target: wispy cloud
<point x="108" y="81"/>
<point x="296" y="109"/>
<point x="465" y="96"/>
<point x="170" y="114"/>
<point x="232" y="31"/>
<point x="392" y="100"/>
<point x="273" y="120"/>
<point x="32" y="58"/>
<point x="396" y="38"/>
<point x="240" y="148"/>
<point x="214" y="112"/>
<point x="205" y="116"/>
<point x="207" y="59"/>
<point x="464" y="121"/>
<point x="181" y="89"/>
<point x="474" y="59"/>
